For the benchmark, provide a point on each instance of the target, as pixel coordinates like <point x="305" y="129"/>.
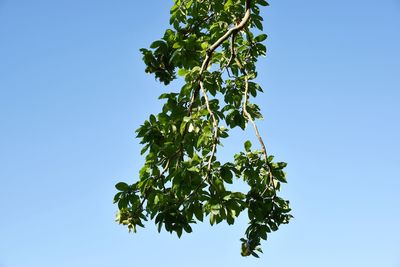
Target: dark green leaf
<point x="247" y="146"/>
<point x="121" y="186"/>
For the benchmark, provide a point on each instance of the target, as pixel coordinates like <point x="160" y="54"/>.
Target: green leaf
<point x="228" y="4"/>
<point x="212" y="219"/>
<point x="183" y="127"/>
<point x="144" y="149"/>
<point x="116" y="197"/>
<point x="260" y="38"/>
<point x="198" y="212"/>
<point x="279" y="175"/>
<point x="179" y="231"/>
<point x="157" y="44"/>
<point x="247" y="146"/>
<point x="226" y="175"/>
<point x="258" y="24"/>
<point x="121" y="186"/>
<point x="182" y="72"/>
<point x="122" y="203"/>
<point x="262" y="3"/>
<point x="187" y="228"/>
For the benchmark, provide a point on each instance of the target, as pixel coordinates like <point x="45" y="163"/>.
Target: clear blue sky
<point x="73" y="90"/>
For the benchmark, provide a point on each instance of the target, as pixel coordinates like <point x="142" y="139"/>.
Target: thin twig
<point x="260" y="140"/>
<point x="215" y="127"/>
<point x="249" y="117"/>
<point x="233" y="51"/>
<point x="247" y="114"/>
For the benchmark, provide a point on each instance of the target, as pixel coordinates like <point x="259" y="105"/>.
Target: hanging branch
<point x="181" y="145"/>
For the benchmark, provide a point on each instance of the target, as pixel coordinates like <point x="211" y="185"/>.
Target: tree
<point x="213" y="46"/>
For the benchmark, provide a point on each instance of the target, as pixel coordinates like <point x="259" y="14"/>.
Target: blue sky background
<point x="73" y="90"/>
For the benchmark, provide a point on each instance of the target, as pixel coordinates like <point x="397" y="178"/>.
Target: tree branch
<point x="210" y="51"/>
<point x="249" y="117"/>
<point x="204" y="66"/>
<point x="260" y="140"/>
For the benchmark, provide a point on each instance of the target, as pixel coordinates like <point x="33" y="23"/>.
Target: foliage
<point x="212" y="45"/>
